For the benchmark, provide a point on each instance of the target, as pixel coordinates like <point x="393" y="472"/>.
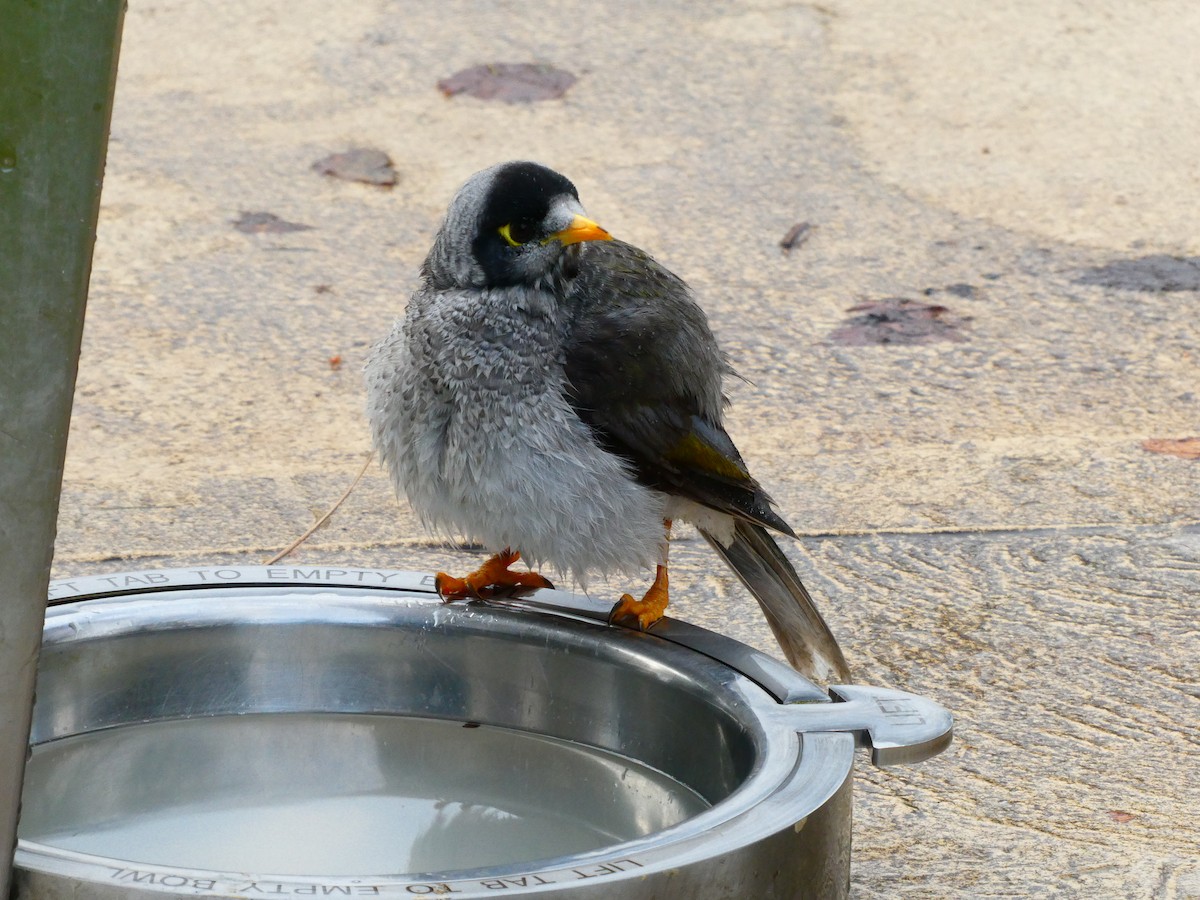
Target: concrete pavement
<point x="979" y="517"/>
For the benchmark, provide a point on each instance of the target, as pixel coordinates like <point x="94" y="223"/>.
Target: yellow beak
<point x="581" y="229"/>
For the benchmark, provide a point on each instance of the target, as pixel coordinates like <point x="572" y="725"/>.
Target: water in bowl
<point x="338" y="794"/>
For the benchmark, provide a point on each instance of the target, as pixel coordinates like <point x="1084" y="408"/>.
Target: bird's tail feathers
<point x="806" y="640"/>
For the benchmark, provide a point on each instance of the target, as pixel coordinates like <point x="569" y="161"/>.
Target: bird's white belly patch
<point x="539" y="484"/>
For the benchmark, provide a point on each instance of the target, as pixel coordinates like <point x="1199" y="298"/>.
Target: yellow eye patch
<point x="519" y="232"/>
<point x="506" y="233"/>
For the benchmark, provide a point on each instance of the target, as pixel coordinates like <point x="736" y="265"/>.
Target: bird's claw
<point x="636" y="614"/>
<point x="642" y="614"/>
<point x="492" y="579"/>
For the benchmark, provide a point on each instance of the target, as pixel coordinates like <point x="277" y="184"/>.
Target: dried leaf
<point x="898" y="320"/>
<point x="797" y="235"/>
<point x="266" y="223"/>
<point x="509" y="82"/>
<point x="359" y="164"/>
<point x="1184" y="448"/>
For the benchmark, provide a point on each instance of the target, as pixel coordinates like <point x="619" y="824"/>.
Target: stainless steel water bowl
<point x="315" y="731"/>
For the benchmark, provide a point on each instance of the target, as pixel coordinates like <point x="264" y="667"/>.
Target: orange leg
<point x="644" y="613"/>
<point x="492" y="578"/>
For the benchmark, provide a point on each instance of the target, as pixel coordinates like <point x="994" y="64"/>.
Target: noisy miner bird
<point x="556" y="395"/>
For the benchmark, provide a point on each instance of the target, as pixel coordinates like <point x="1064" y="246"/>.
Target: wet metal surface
<point x="205" y="728"/>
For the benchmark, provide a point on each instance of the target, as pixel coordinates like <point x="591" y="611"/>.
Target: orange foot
<point x="490" y="579"/>
<point x="645" y="612"/>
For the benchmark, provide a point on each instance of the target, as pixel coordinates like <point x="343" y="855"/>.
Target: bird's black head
<point x="509" y="225"/>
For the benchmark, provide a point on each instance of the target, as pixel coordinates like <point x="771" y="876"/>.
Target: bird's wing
<point x="644" y="372"/>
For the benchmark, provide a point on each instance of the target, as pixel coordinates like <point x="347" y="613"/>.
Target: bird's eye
<point x="517" y="233"/>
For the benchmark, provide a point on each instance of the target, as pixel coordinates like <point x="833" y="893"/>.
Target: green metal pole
<point x="58" y="63"/>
